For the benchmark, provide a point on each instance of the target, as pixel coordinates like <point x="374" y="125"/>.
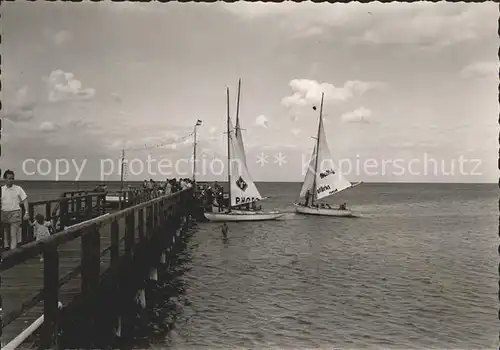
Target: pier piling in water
<point x="117" y="258"/>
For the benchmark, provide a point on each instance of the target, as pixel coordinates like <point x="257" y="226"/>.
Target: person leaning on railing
<point x="168" y="188"/>
<point x="55" y="215"/>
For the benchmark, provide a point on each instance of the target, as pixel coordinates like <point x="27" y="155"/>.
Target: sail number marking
<point x="242" y="200"/>
<point x="324" y="188"/>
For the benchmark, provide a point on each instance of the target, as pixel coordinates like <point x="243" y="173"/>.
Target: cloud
<point x="262" y="121"/>
<point x="403" y="145"/>
<point x="61" y="37"/>
<point x="21" y="109"/>
<point x="311" y="31"/>
<point x="116" y="97"/>
<point x="259" y="9"/>
<point x="411" y="145"/>
<point x="64" y="86"/>
<point x="307" y="92"/>
<point x="428" y="25"/>
<point x="434" y="24"/>
<point x="212" y="130"/>
<point x="117" y="144"/>
<point x="360" y="115"/>
<point x="52" y="139"/>
<point x="18" y="115"/>
<point x="481" y="69"/>
<point x="132" y="7"/>
<point x="296" y="131"/>
<point x="76" y="123"/>
<point x="48" y="126"/>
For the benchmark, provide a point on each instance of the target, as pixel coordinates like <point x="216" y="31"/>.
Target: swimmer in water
<point x="224" y="230"/>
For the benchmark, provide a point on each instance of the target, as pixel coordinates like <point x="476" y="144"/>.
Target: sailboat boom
<point x="337" y="192"/>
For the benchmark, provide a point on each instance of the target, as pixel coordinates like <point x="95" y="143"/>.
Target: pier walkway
<point x="95" y="251"/>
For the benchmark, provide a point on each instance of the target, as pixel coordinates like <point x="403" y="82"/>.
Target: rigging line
<point x="160" y="145"/>
<point x="157" y="146"/>
<point x="217" y="155"/>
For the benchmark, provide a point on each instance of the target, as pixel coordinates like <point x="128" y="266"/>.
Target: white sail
<point x="309" y="178"/>
<point x="239" y="138"/>
<point x="329" y="179"/>
<point x="243" y="189"/>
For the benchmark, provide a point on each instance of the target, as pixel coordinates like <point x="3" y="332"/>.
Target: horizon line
<point x="204" y="181"/>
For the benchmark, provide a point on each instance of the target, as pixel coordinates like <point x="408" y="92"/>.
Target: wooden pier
<point x="81" y="293"/>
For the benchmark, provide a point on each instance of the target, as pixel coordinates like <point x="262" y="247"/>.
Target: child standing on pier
<point x="41" y="228"/>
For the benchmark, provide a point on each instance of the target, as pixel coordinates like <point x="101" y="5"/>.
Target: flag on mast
<point x="198" y="123"/>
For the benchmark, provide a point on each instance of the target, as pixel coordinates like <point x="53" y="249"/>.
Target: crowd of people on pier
<point x="210" y="196"/>
<point x="169" y="186"/>
<point x="152" y="189"/>
<point x="14" y="198"/>
<point x="213" y="197"/>
<point x="160" y="188"/>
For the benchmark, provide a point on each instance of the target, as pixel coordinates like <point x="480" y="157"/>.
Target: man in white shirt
<point x="12" y="197"/>
<point x="183" y="184"/>
<point x="168" y="188"/>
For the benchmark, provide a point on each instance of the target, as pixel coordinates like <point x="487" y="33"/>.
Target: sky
<point x="407" y="84"/>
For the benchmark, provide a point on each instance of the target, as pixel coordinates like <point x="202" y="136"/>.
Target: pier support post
<point x="118" y="329"/>
<point x="140" y="224"/>
<point x="51" y="297"/>
<point x="126" y="284"/>
<point x="141" y="298"/>
<point x="115" y="265"/>
<point x="1" y="303"/>
<point x="91" y="261"/>
<point x="153" y="274"/>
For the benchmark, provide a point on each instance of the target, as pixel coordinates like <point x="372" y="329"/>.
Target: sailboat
<point x="237" y="130"/>
<point x="328" y="182"/>
<point x="242" y="189"/>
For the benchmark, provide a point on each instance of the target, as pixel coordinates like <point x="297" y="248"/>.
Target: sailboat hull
<point x="301" y="209"/>
<point x="239" y="215"/>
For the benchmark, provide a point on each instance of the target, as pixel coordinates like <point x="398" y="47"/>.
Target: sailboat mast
<point x="194" y="154"/>
<point x="122" y="177"/>
<point x="317" y="147"/>
<point x="238" y="108"/>
<point x="228" y="150"/>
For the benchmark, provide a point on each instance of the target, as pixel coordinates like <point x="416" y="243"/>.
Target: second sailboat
<point x="322" y="183"/>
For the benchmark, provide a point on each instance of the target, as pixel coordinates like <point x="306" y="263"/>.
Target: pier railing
<point x="69" y="194"/>
<point x="76" y="206"/>
<point x="119" y="232"/>
<point x="133" y="196"/>
<point x="65" y="211"/>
